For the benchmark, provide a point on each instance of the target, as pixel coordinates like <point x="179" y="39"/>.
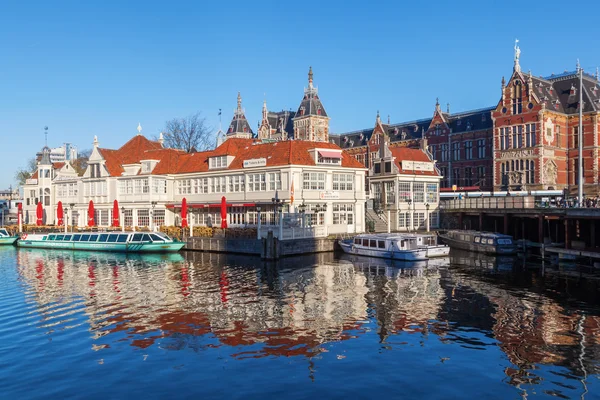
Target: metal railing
<point x="491" y="203"/>
<point x="288" y="233"/>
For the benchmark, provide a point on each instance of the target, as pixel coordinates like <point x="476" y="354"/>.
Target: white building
<point x="149" y="182"/>
<point x="405" y="187"/>
<point x="66" y="152"/>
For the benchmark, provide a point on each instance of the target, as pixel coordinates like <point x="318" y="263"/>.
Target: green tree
<point x="22" y="174"/>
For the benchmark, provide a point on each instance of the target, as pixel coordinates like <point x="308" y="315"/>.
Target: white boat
<point x="383" y="245"/>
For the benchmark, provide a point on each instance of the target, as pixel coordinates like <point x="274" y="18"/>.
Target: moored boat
<point x="483" y="242"/>
<point x="127" y="242"/>
<point x="395" y="247"/>
<point x="6" y="238"/>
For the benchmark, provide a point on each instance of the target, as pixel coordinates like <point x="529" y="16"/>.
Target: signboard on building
<point x="255" y="162"/>
<point x="329" y="195"/>
<point x="417" y="166"/>
<point x="31" y="182"/>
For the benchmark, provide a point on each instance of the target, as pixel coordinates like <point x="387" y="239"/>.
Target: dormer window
<point x="469" y="125"/>
<point x="556" y="104"/>
<point x="146" y="166"/>
<point x="551" y="90"/>
<point x="302" y="109"/>
<point x="218" y="162"/>
<point x="329" y="157"/>
<point x="573" y="90"/>
<point x="595" y="90"/>
<point x="458" y="123"/>
<point x="230" y="128"/>
<point x="318" y="110"/>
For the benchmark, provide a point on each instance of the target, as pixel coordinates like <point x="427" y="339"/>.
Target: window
<point x="519" y="136"/>
<point x="146" y="166"/>
<point x="183" y="186"/>
<point x="514" y="137"/>
<point x="343" y="214"/>
<point x="419" y="220"/>
<point x="275" y="181"/>
<point x="456" y="151"/>
<point x="343" y="182"/>
<point x="159" y="217"/>
<point x="257" y="183"/>
<point x="218" y="184"/>
<point x="159" y="186"/>
<point x="432" y="193"/>
<point x="218" y="162"/>
<point x="404" y="191"/>
<point x="314" y="181"/>
<point x="433" y="219"/>
<point x="401" y="220"/>
<point x="468" y="176"/>
<point x="236" y="183"/>
<point x="145" y="186"/>
<point x="456" y="176"/>
<point x="444" y="172"/>
<point x="576" y="136"/>
<point x="143" y="217"/>
<point x="481" y="175"/>
<point x="419" y="192"/>
<point x="517" y="99"/>
<point x="469" y="150"/>
<point x="328" y="160"/>
<point x="557" y="131"/>
<point x="128" y="217"/>
<point x="314" y="217"/>
<point x="481" y="148"/>
<point x="444" y="152"/>
<point x="390" y="193"/>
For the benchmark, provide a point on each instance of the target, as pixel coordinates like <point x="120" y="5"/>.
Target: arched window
<point x="517" y="97"/>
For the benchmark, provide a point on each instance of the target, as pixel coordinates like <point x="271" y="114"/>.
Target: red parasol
<point x="39" y="213"/>
<point x="60" y="214"/>
<point x="91" y="220"/>
<point x="115" y="221"/>
<point x="184" y="223"/>
<point x="223" y="212"/>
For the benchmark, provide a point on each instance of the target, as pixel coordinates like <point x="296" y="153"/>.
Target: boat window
<point x="112" y="238"/>
<point x="76" y="238"/>
<point x="60" y="237"/>
<point x="504" y="241"/>
<point x="45" y="237"/>
<point x="52" y="237"/>
<point x="93" y="238"/>
<point x="373" y="243"/>
<point x="477" y="239"/>
<point x="137" y="237"/>
<point x="490" y="241"/>
<point x="103" y="238"/>
<point x="157" y="238"/>
<point x="68" y="238"/>
<point x="381" y="244"/>
<point x="84" y="238"/>
<point x="122" y="238"/>
<point x="4" y="232"/>
<point x="366" y="242"/>
<point x="357" y="241"/>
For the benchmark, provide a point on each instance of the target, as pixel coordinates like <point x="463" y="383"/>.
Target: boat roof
<point x="384" y="236"/>
<point x="486" y="234"/>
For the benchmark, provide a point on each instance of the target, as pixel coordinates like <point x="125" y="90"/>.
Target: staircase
<point x="381" y="223"/>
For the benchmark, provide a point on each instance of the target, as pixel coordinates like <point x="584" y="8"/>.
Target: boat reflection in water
<point x="233" y="308"/>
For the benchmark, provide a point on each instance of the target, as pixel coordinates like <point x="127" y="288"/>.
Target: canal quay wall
<point x="569" y="228"/>
<point x="269" y="248"/>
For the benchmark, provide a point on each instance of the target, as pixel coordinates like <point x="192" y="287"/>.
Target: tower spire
<point x="264" y="110"/>
<point x="310" y="77"/>
<point x="517" y="56"/>
<point x="46" y="136"/>
<point x="139" y="128"/>
<point x="239" y="103"/>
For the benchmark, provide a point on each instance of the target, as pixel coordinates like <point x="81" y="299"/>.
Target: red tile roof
<point x="408" y="154"/>
<point x="171" y="161"/>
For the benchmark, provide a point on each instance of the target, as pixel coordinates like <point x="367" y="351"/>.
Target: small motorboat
<point x="6" y="238"/>
<point x="482" y="242"/>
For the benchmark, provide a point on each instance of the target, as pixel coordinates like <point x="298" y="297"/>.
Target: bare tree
<point x="80" y="163"/>
<point x="190" y="133"/>
<point x="22" y="174"/>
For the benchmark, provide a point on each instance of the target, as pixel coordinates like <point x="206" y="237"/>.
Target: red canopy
<point x="39" y="213"/>
<point x="115" y="221"/>
<point x="91" y="220"/>
<point x="184" y="222"/>
<point x="223" y="212"/>
<point x="60" y="214"/>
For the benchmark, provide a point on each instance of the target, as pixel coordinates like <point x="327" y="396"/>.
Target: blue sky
<point x="100" y="67"/>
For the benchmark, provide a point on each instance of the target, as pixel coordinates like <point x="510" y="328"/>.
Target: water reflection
<point x="297" y="306"/>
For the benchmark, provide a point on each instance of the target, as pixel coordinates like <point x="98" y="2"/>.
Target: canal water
<point x="197" y="325"/>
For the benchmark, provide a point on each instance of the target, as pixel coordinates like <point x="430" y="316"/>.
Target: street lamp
<point x="410" y="223"/>
<point x="152" y="216"/>
<point x="123" y="219"/>
<point x="71" y="206"/>
<point x="427" y="216"/>
<point x="258" y="227"/>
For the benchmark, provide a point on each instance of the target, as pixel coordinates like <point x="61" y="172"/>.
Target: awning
<point x="215" y="205"/>
<point x="330" y="154"/>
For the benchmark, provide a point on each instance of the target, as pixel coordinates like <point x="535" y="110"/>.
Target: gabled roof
<point x="132" y="152"/>
<point x="408" y="154"/>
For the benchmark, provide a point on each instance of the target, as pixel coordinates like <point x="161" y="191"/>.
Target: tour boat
<point x="128" y="242"/>
<point x="395" y="247"/>
<point x="6" y="238"/>
<point x="483" y="242"/>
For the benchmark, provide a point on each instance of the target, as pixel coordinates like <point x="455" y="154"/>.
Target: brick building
<point x="536" y="126"/>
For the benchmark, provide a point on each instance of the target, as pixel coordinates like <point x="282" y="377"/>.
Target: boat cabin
<point x="4" y="232"/>
<point x="108" y="237"/>
<point x="385" y="242"/>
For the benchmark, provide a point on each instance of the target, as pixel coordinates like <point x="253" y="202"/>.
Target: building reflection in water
<point x="294" y="307"/>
